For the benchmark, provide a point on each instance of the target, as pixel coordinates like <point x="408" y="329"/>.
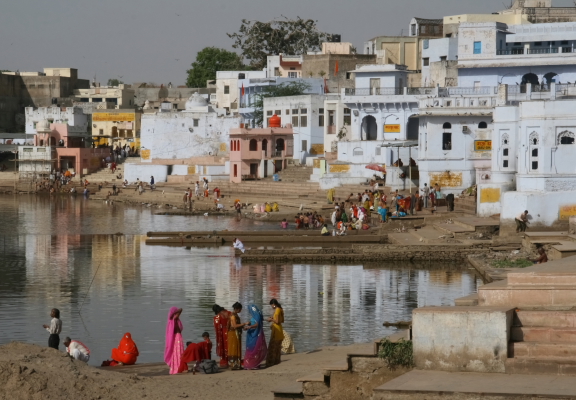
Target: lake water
<point x="65" y="253"/>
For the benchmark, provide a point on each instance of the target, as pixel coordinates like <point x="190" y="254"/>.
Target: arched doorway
<point x="369" y="128"/>
<point x="52" y="141"/>
<point x="530" y="78"/>
<point x="550" y="77"/>
<point x="413" y="128"/>
<point x="265" y="147"/>
<point x="279" y="147"/>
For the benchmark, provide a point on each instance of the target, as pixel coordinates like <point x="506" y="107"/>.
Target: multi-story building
<point x="108" y="97"/>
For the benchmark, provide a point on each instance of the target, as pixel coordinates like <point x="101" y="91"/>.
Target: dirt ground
<point x="33" y="372"/>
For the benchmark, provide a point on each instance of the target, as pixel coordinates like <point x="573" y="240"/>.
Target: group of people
<point x="228" y="327"/>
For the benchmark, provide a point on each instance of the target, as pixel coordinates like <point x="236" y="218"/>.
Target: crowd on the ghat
<point x="194" y="357"/>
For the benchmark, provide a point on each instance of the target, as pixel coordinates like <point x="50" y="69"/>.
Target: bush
<point x="520" y="263"/>
<point x="397" y="354"/>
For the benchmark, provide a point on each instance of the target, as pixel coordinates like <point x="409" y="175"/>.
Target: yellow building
<point x="114" y="127"/>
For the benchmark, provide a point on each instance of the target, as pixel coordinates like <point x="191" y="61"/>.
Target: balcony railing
<point x="374" y="91"/>
<point x="509" y="52"/>
<point x="278" y="154"/>
<point x="543" y="50"/>
<point x="420" y="90"/>
<point x="548" y="50"/>
<point x="472" y="90"/>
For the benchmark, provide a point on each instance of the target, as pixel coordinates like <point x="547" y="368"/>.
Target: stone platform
<point x="432" y="385"/>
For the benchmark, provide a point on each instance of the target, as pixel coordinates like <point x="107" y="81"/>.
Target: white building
<point x="77" y="121"/>
<point x="182" y="143"/>
<point x="304" y="113"/>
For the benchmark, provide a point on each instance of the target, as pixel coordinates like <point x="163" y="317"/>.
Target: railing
<point x="540" y="88"/>
<point x="509" y="52"/>
<point x="472" y="90"/>
<point x="516" y="89"/>
<point x="374" y="91"/>
<point x="420" y="91"/>
<point x="548" y="50"/>
<point x="567" y="50"/>
<point x="277" y="154"/>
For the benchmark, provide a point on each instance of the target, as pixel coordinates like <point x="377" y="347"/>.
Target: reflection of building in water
<point x="117" y="259"/>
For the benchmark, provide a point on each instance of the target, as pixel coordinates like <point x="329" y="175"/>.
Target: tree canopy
<point x="208" y="61"/>
<point x="257" y="40"/>
<point x="114" y="82"/>
<point x="294" y="88"/>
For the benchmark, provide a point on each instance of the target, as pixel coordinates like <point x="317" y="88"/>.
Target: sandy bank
<point x="34" y="372"/>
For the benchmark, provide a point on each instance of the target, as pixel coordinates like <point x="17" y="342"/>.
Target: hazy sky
<point x="155" y="41"/>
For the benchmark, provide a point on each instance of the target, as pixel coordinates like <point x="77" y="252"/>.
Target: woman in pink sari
<point x="255" y="340"/>
<point x="174" y="344"/>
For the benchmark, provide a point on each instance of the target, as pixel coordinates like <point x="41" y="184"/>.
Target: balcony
<point x="543" y="50"/>
<point x="374" y="91"/>
<point x="277" y="154"/>
<point x="478" y="90"/>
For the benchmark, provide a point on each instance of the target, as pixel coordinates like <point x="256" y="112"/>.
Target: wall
<point x="74" y="117"/>
<point x="10" y="93"/>
<point x="469" y="339"/>
<point x="175" y="95"/>
<point x="143" y="172"/>
<point x="168" y="136"/>
<point x="313" y="64"/>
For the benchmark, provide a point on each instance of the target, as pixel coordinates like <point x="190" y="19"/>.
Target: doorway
<point x="369" y="128"/>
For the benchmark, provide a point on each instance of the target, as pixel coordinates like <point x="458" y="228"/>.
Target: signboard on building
<point x="108" y="117"/>
<point x="482" y="145"/>
<point x="145" y="154"/>
<point x="566" y="212"/>
<point x="394" y="128"/>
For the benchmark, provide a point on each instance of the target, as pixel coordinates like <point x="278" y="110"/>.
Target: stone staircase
<point x="558" y="245"/>
<point x="294" y="174"/>
<point x="465" y="204"/>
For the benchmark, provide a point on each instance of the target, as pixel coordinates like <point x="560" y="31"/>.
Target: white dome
<point x="43" y="126"/>
<point x="196" y="101"/>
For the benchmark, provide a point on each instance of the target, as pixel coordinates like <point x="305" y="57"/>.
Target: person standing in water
<point x="54" y="329"/>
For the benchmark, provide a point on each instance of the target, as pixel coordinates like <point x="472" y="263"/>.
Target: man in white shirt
<point x="77" y="349"/>
<point x="237" y="244"/>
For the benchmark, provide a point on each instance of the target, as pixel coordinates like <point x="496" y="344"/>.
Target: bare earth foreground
<point x="32" y="372"/>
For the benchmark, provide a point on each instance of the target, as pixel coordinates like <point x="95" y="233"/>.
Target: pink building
<point x="72" y="149"/>
<point x="258" y="153"/>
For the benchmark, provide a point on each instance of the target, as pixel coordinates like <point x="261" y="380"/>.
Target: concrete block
<point x="473" y="339"/>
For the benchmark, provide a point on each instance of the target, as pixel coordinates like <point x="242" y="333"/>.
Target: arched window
<point x="253" y="145"/>
<point x="232" y="146"/>
<point x="505" y="139"/>
<point x="447" y="125"/>
<point x="482" y="125"/>
<point x="534" y="139"/>
<point x="566" y="137"/>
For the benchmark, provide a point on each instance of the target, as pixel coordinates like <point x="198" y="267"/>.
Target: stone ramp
<point x="432" y="385"/>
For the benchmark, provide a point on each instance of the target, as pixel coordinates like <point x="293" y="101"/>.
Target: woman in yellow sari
<point x="235" y="337"/>
<point x="277" y="335"/>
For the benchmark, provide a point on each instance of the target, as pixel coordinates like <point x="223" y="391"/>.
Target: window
<point x="304" y="145"/>
<point x="331" y="119"/>
<point x="295" y="121"/>
<point x="505" y="152"/>
<point x="347" y="117"/>
<point x="269" y="113"/>
<point x="534" y="165"/>
<point x="287" y="112"/>
<point x="277" y="71"/>
<point x="552" y="43"/>
<point x="226" y="89"/>
<point x="477" y="47"/>
<point x="425" y="44"/>
<point x="101" y="132"/>
<point x="443" y="58"/>
<point x="482" y="125"/>
<point x="292" y="74"/>
<point x="195" y="122"/>
<point x="564" y="42"/>
<point x="448" y="35"/>
<point x="320" y="117"/>
<point x="537" y="43"/>
<point x="535" y="153"/>
<point x="303" y="121"/>
<point x="253" y="145"/>
<point x="278" y="112"/>
<point x="566" y="137"/>
<point x="447" y="141"/>
<point x="505" y="164"/>
<point x="303" y="111"/>
<point x="295" y="111"/>
<point x="348" y="75"/>
<point x="425" y="62"/>
<point x="447" y="125"/>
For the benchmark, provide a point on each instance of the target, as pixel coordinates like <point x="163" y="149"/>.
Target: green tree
<point x="210" y="60"/>
<point x="114" y="82"/>
<point x="257" y="40"/>
<point x="295" y="88"/>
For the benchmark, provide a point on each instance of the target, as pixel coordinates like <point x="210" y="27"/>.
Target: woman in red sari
<point x="127" y="351"/>
<point x="221" y="329"/>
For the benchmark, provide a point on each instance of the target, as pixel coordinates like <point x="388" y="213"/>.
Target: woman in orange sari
<point x="277" y="335"/>
<point x="221" y="328"/>
<point x="127" y="351"/>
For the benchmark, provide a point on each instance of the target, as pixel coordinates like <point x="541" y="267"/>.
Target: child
<point x="55" y="328"/>
<point x="284" y="224"/>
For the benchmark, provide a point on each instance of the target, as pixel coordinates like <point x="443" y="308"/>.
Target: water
<point x="65" y="253"/>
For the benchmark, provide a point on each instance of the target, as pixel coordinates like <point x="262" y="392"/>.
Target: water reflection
<point x="108" y="284"/>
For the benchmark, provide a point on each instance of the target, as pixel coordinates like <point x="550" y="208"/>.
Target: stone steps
<point x="542" y="334"/>
<point x="453" y="229"/>
<point x="548" y="318"/>
<point x="540" y="366"/>
<point x="538" y="350"/>
<point x="404" y="238"/>
<point x="427" y="235"/>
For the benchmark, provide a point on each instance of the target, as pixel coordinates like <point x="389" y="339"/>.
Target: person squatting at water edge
<point x="221" y="329"/>
<point x="77" y="349"/>
<point x="235" y="338"/>
<point x="54" y="329"/>
<point x="174" y="343"/>
<point x="196" y="353"/>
